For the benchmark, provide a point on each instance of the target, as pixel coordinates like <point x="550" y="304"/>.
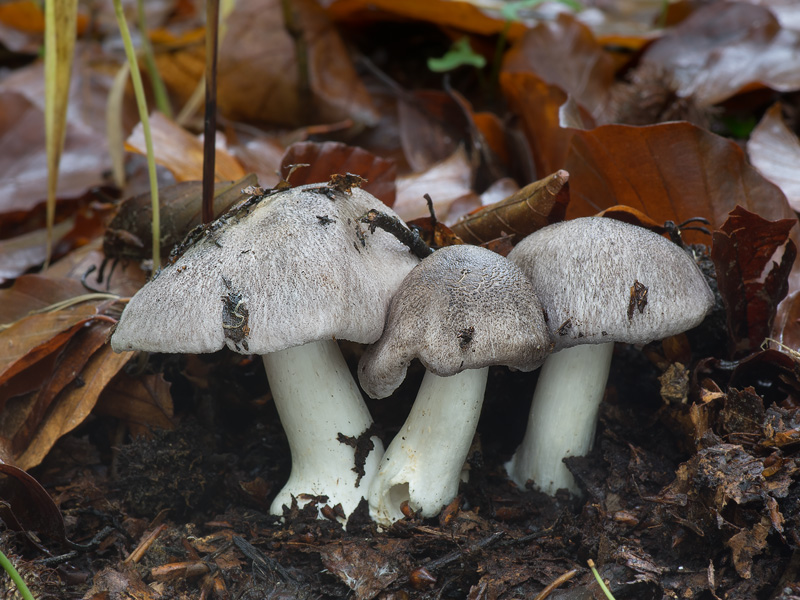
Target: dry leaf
<point x="670" y="172"/>
<point x="266" y="75"/>
<point x="182" y="153"/>
<point x="566" y="54"/>
<point x="725" y="48"/>
<point x="774" y="150"/>
<point x="535" y="206"/>
<point x="445" y="182"/>
<point x="331" y="158"/>
<point x="751" y="287"/>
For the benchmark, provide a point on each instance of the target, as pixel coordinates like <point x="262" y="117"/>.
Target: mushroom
<point x="284" y="276"/>
<point x="600" y="281"/>
<point x="459" y="311"/>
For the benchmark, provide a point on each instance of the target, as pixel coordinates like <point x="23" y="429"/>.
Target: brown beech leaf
<point x="538" y="105"/>
<point x="331" y="158"/>
<point x="144" y="403"/>
<point x="432" y="125"/>
<point x="463" y="16"/>
<point x="670" y="172"/>
<point x="787" y="322"/>
<point x="23" y="164"/>
<point x="742" y="249"/>
<point x="288" y="69"/>
<point x="68" y="395"/>
<point x="182" y="153"/>
<point x="628" y="214"/>
<point x="725" y="48"/>
<point x="26" y="506"/>
<point x="129" y="235"/>
<point x="565" y="53"/>
<point x="774" y="150"/>
<point x="531" y="208"/>
<point x="445" y="182"/>
<point x="747" y="544"/>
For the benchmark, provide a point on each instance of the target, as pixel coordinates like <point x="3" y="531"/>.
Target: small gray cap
<point x="602" y="280"/>
<point x="293" y="268"/>
<point x="463" y="307"/>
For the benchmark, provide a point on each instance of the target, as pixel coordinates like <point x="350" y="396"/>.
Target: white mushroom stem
<point x="423" y="463"/>
<point x="317" y="399"/>
<point x="563" y="417"/>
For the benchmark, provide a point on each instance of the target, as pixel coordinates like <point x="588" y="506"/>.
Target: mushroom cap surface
<point x="463" y="307"/>
<point x="293" y="268"/>
<point x="602" y="280"/>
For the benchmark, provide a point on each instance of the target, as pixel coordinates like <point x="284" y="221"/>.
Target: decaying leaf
<point x="331" y="158"/>
<point x="366" y="570"/>
<point x="587" y="76"/>
<point x="288" y="68"/>
<point x="531" y="208"/>
<point x="182" y="153"/>
<point x="670" y="172"/>
<point x="742" y="250"/>
<point x="129" y="235"/>
<point x="26" y="506"/>
<point x="774" y="150"/>
<point x="144" y="403"/>
<point x="705" y="52"/>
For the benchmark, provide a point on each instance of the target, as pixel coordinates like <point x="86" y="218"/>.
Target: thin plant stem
<point x="600" y="581"/>
<point x="159" y="89"/>
<point x="15" y="577"/>
<point x="141" y="102"/>
<point x="210" y="122"/>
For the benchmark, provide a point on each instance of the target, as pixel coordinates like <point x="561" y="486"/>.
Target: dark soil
<point x="688" y="494"/>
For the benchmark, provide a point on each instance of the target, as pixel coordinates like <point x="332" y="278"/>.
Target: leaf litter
<point x="163" y="466"/>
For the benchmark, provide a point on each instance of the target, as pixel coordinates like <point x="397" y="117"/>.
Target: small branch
<point x="393" y="225"/>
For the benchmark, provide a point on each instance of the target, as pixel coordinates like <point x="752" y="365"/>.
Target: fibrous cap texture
<point x="602" y="280"/>
<point x="293" y="268"/>
<point x="463" y="307"/>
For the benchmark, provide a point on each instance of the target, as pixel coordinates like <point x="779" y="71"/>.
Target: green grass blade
<point x="15" y="577"/>
<point x="141" y="102"/>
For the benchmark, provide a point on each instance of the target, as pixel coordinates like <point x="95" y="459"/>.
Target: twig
<point x="394" y="226"/>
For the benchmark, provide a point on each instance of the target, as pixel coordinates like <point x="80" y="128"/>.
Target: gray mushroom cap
<point x="602" y="280"/>
<point x="463" y="307"/>
<point x="294" y="268"/>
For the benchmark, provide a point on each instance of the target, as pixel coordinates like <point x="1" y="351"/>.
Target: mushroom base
<point x="563" y="417"/>
<point x="317" y="399"/>
<point x="422" y="465"/>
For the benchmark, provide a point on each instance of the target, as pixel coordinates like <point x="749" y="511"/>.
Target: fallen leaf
<point x="464" y="16"/>
<point x="431" y="126"/>
<point x="73" y="404"/>
<point x="538" y="105"/>
<point x="742" y="250"/>
<point x="565" y="53"/>
<point x="26" y="506"/>
<point x="774" y="150"/>
<point x="144" y="403"/>
<point x="535" y="206"/>
<point x="331" y="158"/>
<point x="747" y="544"/>
<point x="365" y="570"/>
<point x="20" y="253"/>
<point x="725" y="48"/>
<point x="182" y="153"/>
<point x="129" y="235"/>
<point x="267" y="75"/>
<point x="23" y="164"/>
<point x="445" y="182"/>
<point x="669" y="172"/>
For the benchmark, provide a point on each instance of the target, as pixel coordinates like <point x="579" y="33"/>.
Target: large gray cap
<point x="602" y="280"/>
<point x="294" y="268"/>
<point x="463" y="307"/>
